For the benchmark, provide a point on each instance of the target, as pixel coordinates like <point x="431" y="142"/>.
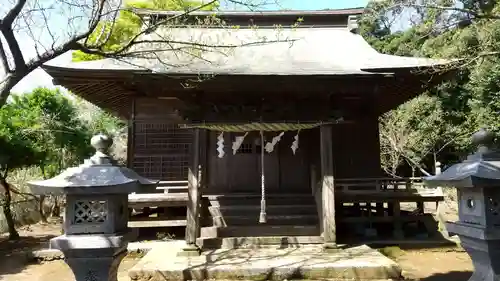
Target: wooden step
<point x="259" y="230"/>
<point x="271" y="220"/>
<point x="254" y="199"/>
<point x="156" y="223"/>
<point x="258" y="242"/>
<point x="254" y="210"/>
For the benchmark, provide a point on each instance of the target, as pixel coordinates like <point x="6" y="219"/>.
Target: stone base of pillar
<point x="190" y="250"/>
<point x="92" y="257"/>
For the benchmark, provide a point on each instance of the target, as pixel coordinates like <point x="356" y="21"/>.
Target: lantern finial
<point x="483" y="139"/>
<point x="101" y="143"/>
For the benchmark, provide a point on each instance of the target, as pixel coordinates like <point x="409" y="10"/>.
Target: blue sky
<point x="39" y="78"/>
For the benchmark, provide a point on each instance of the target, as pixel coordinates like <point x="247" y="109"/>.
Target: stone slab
<point x="143" y="246"/>
<point x="357" y="263"/>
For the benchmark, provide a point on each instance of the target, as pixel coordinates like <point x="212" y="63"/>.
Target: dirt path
<point x="421" y="265"/>
<point x="57" y="271"/>
<point x="436" y="265"/>
<point x="14" y="267"/>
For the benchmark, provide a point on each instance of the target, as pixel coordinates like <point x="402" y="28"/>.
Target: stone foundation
<point x="358" y="263"/>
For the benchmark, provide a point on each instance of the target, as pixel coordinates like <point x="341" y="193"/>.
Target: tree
<point x="439" y="123"/>
<point x="100" y="121"/>
<point x="51" y="121"/>
<point x="16" y="151"/>
<point x="100" y="28"/>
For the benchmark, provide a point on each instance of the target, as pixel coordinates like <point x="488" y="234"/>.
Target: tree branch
<point x="130" y="43"/>
<point x="447" y="8"/>
<point x="15" y="50"/>
<point x="3" y="57"/>
<point x="9" y="18"/>
<point x="71" y="44"/>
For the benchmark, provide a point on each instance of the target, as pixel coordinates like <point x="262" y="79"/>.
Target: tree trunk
<point x="41" y="205"/>
<point x="55" y="210"/>
<point x="6" y="84"/>
<point x="7" y="211"/>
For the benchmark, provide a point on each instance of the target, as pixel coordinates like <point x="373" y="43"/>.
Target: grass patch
<point x="392" y="252"/>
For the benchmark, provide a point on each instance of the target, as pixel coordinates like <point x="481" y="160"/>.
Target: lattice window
<point x="494" y="206"/>
<point x="162" y="138"/>
<point x="90" y="211"/>
<point x="162" y="167"/>
<point x="245" y="148"/>
<point x="161" y="150"/>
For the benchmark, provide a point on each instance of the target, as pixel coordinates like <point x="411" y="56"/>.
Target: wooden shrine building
<point x="263" y="127"/>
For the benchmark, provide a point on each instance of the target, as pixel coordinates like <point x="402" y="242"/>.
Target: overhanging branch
<point x="3" y="57"/>
<point x="15" y="50"/>
<point x="11" y="15"/>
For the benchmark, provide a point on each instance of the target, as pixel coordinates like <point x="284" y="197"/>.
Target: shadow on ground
<point x="449" y="276"/>
<point x="13" y="253"/>
<point x="24" y="243"/>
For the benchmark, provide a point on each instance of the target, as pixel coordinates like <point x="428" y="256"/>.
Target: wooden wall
<point x="160" y="150"/>
<point x="356" y="149"/>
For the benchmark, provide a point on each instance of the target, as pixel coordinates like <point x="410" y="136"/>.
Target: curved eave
<point x="115" y="89"/>
<point x="106" y="88"/>
<point x="103" y="73"/>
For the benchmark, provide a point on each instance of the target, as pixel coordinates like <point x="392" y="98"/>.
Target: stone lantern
<point x="96" y="213"/>
<point x="477" y="180"/>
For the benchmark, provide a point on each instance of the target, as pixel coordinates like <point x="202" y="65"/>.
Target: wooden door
<point x="241" y="172"/>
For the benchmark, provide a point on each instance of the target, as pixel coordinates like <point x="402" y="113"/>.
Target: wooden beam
<point x="327" y="187"/>
<point x="193" y="205"/>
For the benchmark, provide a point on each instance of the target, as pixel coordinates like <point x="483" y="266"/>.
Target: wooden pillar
<point x="203" y="178"/>
<point x="193" y="204"/>
<point x="327" y="186"/>
<point x="131" y="137"/>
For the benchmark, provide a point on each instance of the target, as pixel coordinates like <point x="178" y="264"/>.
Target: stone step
<point x="271" y="220"/>
<point x="260" y="230"/>
<point x="302" y="263"/>
<point x="254" y="210"/>
<point x="257" y="242"/>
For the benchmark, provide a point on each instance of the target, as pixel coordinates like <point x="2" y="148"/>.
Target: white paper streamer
<point x="270" y="145"/>
<point x="220" y="145"/>
<point x="237" y="142"/>
<point x="295" y="143"/>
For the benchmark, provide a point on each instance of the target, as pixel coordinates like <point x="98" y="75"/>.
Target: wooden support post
<point x="131" y="138"/>
<point x="327" y="187"/>
<point x="398" y="225"/>
<point x="203" y="178"/>
<point x="193" y="205"/>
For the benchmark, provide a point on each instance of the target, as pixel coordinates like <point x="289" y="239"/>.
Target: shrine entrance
<point x="240" y="170"/>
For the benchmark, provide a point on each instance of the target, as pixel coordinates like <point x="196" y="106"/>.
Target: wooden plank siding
<point x="161" y="150"/>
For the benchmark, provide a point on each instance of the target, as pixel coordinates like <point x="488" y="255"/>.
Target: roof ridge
<point x="276" y="13"/>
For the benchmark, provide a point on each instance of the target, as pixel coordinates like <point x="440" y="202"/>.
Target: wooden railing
<point x="173" y="186"/>
<point x="160" y="209"/>
<point x="371" y="200"/>
<point x="359" y="184"/>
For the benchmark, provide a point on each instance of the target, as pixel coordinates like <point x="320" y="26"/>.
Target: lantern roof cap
<point x="100" y="174"/>
<point x="481" y="168"/>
